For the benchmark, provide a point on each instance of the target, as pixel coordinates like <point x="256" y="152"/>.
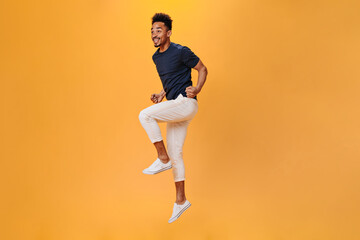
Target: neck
<point x="164" y="47"/>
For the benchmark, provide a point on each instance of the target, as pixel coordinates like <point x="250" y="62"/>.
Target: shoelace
<point x="155" y="164"/>
<point x="177" y="209"/>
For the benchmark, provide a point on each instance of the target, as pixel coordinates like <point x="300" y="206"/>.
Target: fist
<point x="156" y="98"/>
<point x="191" y="91"/>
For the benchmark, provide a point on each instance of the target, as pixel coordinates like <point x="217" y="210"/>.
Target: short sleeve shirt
<point x="174" y="67"/>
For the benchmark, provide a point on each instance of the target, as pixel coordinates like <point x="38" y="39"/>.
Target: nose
<point x="154" y="34"/>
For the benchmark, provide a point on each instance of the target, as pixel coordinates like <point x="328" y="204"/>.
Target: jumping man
<point x="173" y="63"/>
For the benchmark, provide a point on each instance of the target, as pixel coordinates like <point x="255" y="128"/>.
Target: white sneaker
<point x="157" y="167"/>
<point x="178" y="210"/>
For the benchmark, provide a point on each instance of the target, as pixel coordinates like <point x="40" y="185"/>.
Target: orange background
<point x="273" y="152"/>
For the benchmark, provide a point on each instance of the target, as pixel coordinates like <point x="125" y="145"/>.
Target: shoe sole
<point x="161" y="170"/>
<point x="179" y="213"/>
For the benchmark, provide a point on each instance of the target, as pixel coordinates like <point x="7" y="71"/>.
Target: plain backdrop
<point x="272" y="154"/>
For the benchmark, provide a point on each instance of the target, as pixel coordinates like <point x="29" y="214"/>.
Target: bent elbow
<point x="205" y="70"/>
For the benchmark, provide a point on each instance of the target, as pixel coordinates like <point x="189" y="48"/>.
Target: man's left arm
<point x="191" y="91"/>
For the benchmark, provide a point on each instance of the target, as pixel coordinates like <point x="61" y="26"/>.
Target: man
<point x="174" y="63"/>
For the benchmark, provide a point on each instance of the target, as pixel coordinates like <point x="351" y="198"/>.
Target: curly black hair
<point x="162" y="17"/>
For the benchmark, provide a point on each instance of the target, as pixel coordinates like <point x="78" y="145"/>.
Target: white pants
<point x="178" y="114"/>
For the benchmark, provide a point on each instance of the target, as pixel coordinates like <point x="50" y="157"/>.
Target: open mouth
<point x="156" y="40"/>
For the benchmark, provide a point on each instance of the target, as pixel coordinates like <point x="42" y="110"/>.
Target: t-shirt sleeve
<point x="188" y="57"/>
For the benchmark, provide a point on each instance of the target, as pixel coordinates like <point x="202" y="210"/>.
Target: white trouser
<point x="178" y="114"/>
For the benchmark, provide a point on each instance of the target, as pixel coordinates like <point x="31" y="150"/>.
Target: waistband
<point x="181" y="96"/>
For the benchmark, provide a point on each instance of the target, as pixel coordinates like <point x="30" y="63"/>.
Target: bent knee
<point x="143" y="116"/>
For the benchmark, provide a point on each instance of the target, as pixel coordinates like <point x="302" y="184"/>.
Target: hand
<point x="156" y="98"/>
<point x="191" y="91"/>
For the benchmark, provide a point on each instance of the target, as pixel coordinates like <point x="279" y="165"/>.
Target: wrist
<point x="197" y="89"/>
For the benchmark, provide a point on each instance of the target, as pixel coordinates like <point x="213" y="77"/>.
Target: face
<point x="159" y="34"/>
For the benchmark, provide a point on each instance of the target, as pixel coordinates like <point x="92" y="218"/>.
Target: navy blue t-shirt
<point x="174" y="68"/>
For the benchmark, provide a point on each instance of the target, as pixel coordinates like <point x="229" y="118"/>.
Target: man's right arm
<point x="202" y="73"/>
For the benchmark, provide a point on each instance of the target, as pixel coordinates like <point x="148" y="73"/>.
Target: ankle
<point x="180" y="201"/>
<point x="164" y="159"/>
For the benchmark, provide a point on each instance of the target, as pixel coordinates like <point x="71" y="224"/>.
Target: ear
<point x="169" y="33"/>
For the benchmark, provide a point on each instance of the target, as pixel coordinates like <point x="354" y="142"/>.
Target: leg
<point x="161" y="150"/>
<point x="178" y="114"/>
<point x="176" y="133"/>
<point x="180" y="192"/>
<point x="179" y="109"/>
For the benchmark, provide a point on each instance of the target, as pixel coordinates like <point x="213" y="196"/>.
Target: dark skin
<point x="160" y="36"/>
